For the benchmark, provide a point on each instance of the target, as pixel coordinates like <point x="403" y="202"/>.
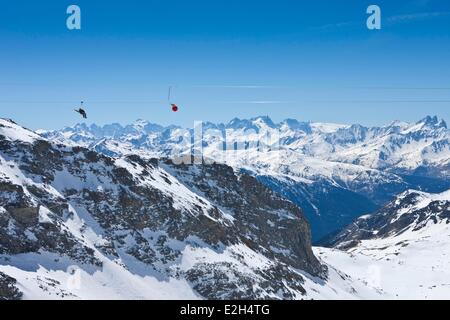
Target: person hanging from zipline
<point x="81" y="111"/>
<point x="172" y="105"/>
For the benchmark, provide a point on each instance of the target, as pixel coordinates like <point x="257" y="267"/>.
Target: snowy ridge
<point x="403" y="250"/>
<point x="10" y="130"/>
<point x="410" y="211"/>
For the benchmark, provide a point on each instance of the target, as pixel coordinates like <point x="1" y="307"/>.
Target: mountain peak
<point x="140" y="122"/>
<point x="263" y="120"/>
<point x="81" y="126"/>
<point x="14" y="132"/>
<point x="144" y="126"/>
<point x="237" y="123"/>
<point x="8" y="120"/>
<point x="294" y="124"/>
<point x="434" y="122"/>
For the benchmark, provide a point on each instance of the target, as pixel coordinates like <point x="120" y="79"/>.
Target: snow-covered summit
<point x="13" y="132"/>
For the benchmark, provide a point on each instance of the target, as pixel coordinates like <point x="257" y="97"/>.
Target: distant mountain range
<point x="334" y="172"/>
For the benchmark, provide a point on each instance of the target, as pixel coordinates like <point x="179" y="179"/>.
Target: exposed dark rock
<point x="8" y="289"/>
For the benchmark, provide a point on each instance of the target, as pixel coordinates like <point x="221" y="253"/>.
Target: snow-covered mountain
<point x="402" y="250"/>
<point x="75" y="223"/>
<point x="408" y="213"/>
<point x="334" y="172"/>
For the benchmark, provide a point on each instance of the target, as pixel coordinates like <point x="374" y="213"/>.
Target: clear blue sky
<point x="310" y="60"/>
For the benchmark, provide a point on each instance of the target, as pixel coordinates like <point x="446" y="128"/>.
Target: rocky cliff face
<point x="8" y="289"/>
<point x="205" y="230"/>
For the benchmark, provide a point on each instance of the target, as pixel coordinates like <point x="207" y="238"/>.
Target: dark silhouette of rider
<point x="82" y="112"/>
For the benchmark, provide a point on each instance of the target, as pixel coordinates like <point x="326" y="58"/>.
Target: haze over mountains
<point x="334" y="172"/>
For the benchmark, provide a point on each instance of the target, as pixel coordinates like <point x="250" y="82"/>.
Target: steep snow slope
<point x="403" y="250"/>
